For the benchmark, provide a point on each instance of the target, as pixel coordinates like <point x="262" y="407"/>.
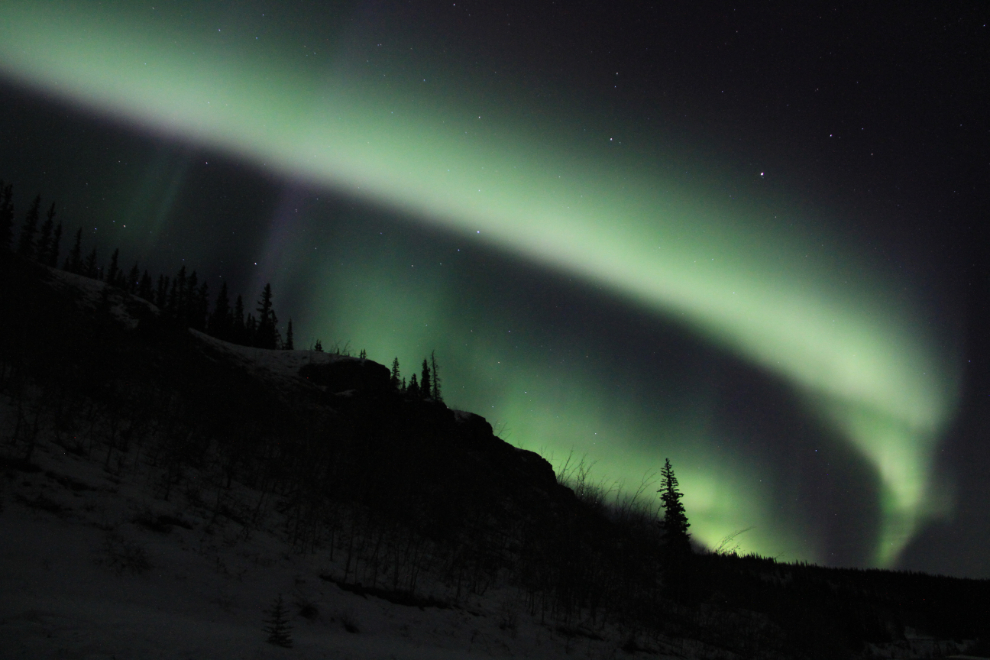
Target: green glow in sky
<point x="832" y="326"/>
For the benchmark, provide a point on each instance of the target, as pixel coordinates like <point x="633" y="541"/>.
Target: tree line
<point x="182" y="299"/>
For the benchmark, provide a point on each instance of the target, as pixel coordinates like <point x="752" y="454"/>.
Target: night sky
<point x="751" y="238"/>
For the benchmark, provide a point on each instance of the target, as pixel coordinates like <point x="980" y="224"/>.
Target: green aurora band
<point x="856" y="354"/>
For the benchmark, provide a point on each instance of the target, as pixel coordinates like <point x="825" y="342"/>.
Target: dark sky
<point x="750" y="238"/>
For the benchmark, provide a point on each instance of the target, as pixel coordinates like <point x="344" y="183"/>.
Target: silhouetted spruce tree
<point x="238" y="329"/>
<point x="189" y="301"/>
<point x="266" y="334"/>
<point x="177" y="304"/>
<point x="675" y="522"/>
<point x="145" y="288"/>
<point x="413" y="388"/>
<point x="74" y="262"/>
<point x="161" y="293"/>
<point x="318" y="347"/>
<point x="25" y="246"/>
<point x="133" y="279"/>
<point x="220" y="319"/>
<point x="250" y="331"/>
<point x="192" y="288"/>
<point x="172" y="304"/>
<point x="6" y="216"/>
<point x="55" y="246"/>
<point x="395" y="379"/>
<point x="200" y="307"/>
<point x="425" y="380"/>
<point x="45" y="236"/>
<point x="436" y="377"/>
<point x="90" y="269"/>
<point x="288" y="338"/>
<point x="113" y="270"/>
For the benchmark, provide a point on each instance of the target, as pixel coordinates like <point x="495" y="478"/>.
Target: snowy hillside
<point x="162" y="491"/>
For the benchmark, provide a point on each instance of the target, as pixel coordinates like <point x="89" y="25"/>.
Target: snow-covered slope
<point x="96" y="566"/>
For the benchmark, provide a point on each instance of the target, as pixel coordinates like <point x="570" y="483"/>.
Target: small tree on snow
<point x="277" y="625"/>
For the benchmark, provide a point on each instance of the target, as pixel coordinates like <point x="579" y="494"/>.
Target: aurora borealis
<point x="591" y="277"/>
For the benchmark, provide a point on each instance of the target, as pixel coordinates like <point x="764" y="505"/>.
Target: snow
<point x="82" y="579"/>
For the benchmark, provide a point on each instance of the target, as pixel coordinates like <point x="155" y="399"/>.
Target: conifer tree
<point x="267" y="331"/>
<point x="133" y="279"/>
<point x="172" y="303"/>
<point x="201" y="307"/>
<point x="188" y="313"/>
<point x="177" y="303"/>
<point x="161" y="292"/>
<point x="25" y="246"/>
<point x="74" y="262"/>
<point x="238" y="333"/>
<point x="675" y="522"/>
<point x="413" y="388"/>
<point x="54" y="249"/>
<point x="394" y="380"/>
<point x="220" y="319"/>
<point x="145" y="289"/>
<point x="6" y="216"/>
<point x="435" y="392"/>
<point x="251" y="331"/>
<point x="319" y="346"/>
<point x="113" y="271"/>
<point x="288" y="338"/>
<point x="277" y="625"/>
<point x="90" y="269"/>
<point x="45" y="237"/>
<point x="363" y="354"/>
<point x="425" y="380"/>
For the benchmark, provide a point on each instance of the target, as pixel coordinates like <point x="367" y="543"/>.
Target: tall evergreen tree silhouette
<point x="90" y="269"/>
<point x="45" y="237"/>
<point x="289" y="346"/>
<point x="113" y="270"/>
<point x="220" y="319"/>
<point x="161" y="293"/>
<point x="6" y="216"/>
<point x="425" y="390"/>
<point x="238" y="330"/>
<point x="74" y="262"/>
<point x="435" y="391"/>
<point x="172" y="304"/>
<point x="675" y="522"/>
<point x="54" y="249"/>
<point x="146" y="288"/>
<point x="413" y="388"/>
<point x="177" y="302"/>
<point x="200" y="307"/>
<point x="25" y="246"/>
<point x="133" y="279"/>
<point x="395" y="380"/>
<point x="188" y="314"/>
<point x="250" y="331"/>
<point x="266" y="335"/>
